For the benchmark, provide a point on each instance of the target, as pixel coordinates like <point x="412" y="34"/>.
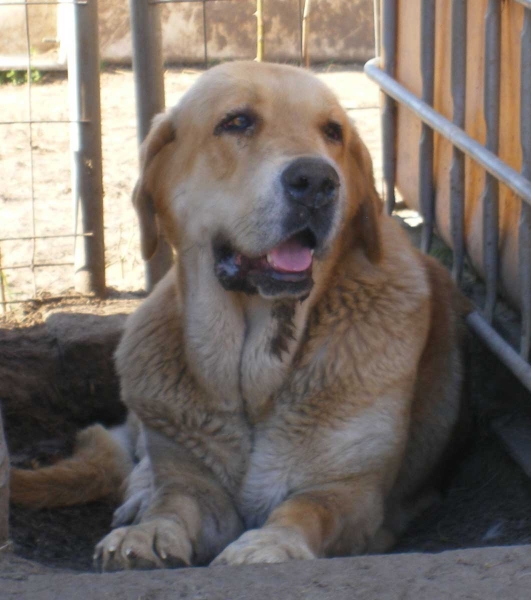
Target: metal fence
<point x="84" y="119"/>
<point x="383" y="73"/>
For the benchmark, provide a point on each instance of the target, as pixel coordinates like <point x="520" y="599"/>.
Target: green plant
<point x="19" y="76"/>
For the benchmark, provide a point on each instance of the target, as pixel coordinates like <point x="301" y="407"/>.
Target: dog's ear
<point x="366" y="222"/>
<point x="162" y="132"/>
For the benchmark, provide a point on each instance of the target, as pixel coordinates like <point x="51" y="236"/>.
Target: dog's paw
<point x="267" y="545"/>
<point x="156" y="544"/>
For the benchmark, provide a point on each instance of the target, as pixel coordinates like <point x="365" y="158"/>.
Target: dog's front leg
<point x="190" y="519"/>
<point x="333" y="519"/>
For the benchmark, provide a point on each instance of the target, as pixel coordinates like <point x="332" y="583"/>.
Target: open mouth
<point x="285" y="268"/>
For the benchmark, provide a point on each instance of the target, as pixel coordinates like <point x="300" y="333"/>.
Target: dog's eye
<point x="333" y="131"/>
<point x="236" y="123"/>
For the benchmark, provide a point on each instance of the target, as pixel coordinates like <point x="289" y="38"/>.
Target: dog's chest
<point x="273" y="333"/>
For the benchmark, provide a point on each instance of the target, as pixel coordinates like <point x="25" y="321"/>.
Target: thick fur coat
<point x="294" y="381"/>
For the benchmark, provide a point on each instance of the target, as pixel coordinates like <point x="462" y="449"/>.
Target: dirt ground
<point x="52" y="210"/>
<point x="484" y="574"/>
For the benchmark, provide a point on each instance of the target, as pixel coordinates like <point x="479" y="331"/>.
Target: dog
<point x="294" y="382"/>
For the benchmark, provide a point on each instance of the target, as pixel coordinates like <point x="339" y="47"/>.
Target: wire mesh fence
<point x="37" y="240"/>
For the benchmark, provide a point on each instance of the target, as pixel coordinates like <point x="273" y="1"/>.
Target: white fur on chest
<point x="230" y="339"/>
<point x="262" y="369"/>
<point x="214" y="331"/>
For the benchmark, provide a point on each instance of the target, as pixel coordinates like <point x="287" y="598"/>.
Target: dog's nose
<point x="310" y="181"/>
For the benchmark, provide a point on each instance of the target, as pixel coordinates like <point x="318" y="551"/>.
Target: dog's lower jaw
<point x="268" y="285"/>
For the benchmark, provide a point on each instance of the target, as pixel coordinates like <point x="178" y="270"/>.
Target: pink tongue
<point x="290" y="257"/>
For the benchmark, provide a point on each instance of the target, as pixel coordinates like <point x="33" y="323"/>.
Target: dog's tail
<point x="98" y="467"/>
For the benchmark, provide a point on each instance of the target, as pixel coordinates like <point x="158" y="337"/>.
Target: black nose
<point x="311" y="182"/>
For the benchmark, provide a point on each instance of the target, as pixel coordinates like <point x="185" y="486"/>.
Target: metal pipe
<point x="524" y="228"/>
<point x="489" y="161"/>
<point x="259" y="30"/>
<point x="43" y="237"/>
<point x="205" y="35"/>
<point x="30" y="139"/>
<point x="427" y="61"/>
<point x="149" y="90"/>
<point x="457" y="168"/>
<point x="85" y="145"/>
<point x="36" y="122"/>
<point x="377" y="12"/>
<point x="491" y="111"/>
<point x="306" y="32"/>
<point x="500" y="347"/>
<point x="389" y="33"/>
<point x="34" y="265"/>
<point x="300" y="32"/>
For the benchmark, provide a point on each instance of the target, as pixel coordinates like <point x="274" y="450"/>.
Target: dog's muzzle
<point x="311" y="190"/>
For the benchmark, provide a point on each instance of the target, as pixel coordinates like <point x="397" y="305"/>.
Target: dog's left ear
<point x="366" y="221"/>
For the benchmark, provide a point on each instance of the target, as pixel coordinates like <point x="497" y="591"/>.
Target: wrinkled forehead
<point x="278" y="90"/>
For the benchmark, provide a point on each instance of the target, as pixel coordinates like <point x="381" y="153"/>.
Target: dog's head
<point x="259" y="166"/>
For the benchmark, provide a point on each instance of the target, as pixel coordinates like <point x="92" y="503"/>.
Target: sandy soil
<point x="52" y="209"/>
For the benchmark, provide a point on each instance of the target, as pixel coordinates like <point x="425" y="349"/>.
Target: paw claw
<point x="153" y="544"/>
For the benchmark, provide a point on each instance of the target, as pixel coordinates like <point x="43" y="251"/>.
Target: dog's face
<point x="260" y="167"/>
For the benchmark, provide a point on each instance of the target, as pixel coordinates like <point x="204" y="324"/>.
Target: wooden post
<point x="306" y="32"/>
<point x="4" y="490"/>
<point x="259" y="30"/>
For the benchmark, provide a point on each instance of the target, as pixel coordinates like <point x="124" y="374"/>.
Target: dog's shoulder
<point x="368" y="330"/>
<point x="151" y="327"/>
<point x="150" y="358"/>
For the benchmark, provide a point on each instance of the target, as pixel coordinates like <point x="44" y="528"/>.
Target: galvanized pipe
<point x="259" y="30"/>
<point x="491" y="111"/>
<point x="389" y="32"/>
<point x="524" y="229"/>
<point x="377" y="26"/>
<point x="205" y="35"/>
<point x="85" y="143"/>
<point x="489" y="161"/>
<point x="149" y="91"/>
<point x="427" y="62"/>
<point x="457" y="168"/>
<point x="306" y="15"/>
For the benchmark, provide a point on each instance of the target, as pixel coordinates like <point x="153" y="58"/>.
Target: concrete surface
<point x="483" y="574"/>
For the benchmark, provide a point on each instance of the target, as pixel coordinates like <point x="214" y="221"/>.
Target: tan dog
<point x="295" y="379"/>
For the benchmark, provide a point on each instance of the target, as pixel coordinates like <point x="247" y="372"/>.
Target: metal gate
<point x="383" y="72"/>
